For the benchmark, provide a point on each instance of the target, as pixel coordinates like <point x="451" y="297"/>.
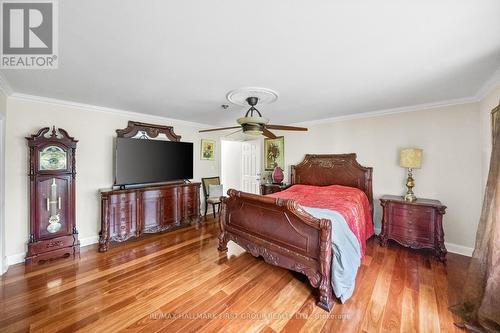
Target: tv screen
<point x="140" y="161"/>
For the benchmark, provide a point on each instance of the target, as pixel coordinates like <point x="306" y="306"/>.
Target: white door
<point x="251" y="166"/>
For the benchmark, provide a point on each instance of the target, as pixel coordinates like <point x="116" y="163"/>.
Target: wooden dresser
<point x="417" y="225"/>
<point x="133" y="212"/>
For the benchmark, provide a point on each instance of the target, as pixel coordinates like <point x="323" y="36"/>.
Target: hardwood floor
<point x="178" y="281"/>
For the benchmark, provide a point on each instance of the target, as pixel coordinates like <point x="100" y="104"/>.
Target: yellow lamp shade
<point x="411" y="158"/>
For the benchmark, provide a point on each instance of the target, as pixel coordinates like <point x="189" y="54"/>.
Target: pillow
<point x="215" y="191"/>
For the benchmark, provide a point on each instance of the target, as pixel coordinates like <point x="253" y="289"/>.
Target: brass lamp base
<point x="410" y="183"/>
<point x="410" y="197"/>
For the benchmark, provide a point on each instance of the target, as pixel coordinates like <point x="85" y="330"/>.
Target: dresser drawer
<point x="57" y="243"/>
<point x="189" y="205"/>
<point x="122" y="198"/>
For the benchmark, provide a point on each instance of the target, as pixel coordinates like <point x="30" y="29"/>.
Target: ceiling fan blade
<point x="286" y="128"/>
<point x="268" y="133"/>
<point x="240" y="130"/>
<point x="219" y="129"/>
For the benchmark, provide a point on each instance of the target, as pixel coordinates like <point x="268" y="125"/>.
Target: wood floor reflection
<point x="179" y="282"/>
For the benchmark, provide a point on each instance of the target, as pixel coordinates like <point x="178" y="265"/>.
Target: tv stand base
<point x="129" y="213"/>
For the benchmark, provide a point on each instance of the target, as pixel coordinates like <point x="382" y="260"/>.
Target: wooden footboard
<point x="283" y="234"/>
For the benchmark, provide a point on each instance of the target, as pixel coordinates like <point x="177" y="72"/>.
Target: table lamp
<point x="410" y="158"/>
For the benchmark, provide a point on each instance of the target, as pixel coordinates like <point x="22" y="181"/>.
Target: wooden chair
<point x="213" y="201"/>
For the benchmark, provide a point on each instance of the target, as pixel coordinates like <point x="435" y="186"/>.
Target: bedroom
<point x="369" y="79"/>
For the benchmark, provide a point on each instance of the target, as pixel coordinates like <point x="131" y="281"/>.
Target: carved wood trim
<point x="334" y="169"/>
<point x="151" y="130"/>
<point x="314" y="261"/>
<point x="56" y="135"/>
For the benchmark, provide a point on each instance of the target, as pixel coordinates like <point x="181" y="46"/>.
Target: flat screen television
<point x="141" y="161"/>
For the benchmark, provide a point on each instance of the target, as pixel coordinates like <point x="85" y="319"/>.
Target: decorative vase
<point x="278" y="175"/>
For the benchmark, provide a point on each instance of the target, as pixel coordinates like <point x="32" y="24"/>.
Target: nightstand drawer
<point x="413" y="212"/>
<point x="271" y="188"/>
<point x="410" y="233"/>
<point x="421" y="219"/>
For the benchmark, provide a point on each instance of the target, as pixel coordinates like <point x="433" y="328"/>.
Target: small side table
<point x="416" y="225"/>
<point x="272" y="188"/>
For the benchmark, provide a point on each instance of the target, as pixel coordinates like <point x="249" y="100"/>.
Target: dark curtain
<point x="480" y="305"/>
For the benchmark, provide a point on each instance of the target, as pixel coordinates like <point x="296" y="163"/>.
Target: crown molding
<point x="380" y="113"/>
<point x="5" y="86"/>
<point x="488" y="86"/>
<point x="482" y="92"/>
<point x="103" y="109"/>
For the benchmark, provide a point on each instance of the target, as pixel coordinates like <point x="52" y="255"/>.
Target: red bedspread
<point x="350" y="202"/>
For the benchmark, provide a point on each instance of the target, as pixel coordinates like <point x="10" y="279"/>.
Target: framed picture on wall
<point x="207" y="149"/>
<point x="274" y="153"/>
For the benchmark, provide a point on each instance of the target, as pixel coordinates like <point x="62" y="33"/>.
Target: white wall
<point x="231" y="164"/>
<point x="455" y="140"/>
<point x="451" y="170"/>
<point x="95" y="131"/>
<point x="3" y="119"/>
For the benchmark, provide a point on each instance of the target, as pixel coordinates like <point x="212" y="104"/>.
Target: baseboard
<point x="89" y="240"/>
<point x="459" y="249"/>
<point x="452" y="248"/>
<point x="15" y="259"/>
<point x="5" y="266"/>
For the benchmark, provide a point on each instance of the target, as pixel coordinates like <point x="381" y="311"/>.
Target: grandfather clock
<point x="52" y="175"/>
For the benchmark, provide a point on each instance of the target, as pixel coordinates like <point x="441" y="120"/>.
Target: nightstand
<point x="418" y="225"/>
<point x="271" y="188"/>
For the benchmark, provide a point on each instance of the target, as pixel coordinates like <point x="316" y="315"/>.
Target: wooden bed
<point x="282" y="232"/>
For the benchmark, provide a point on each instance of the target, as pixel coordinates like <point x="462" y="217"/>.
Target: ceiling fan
<point x="254" y="124"/>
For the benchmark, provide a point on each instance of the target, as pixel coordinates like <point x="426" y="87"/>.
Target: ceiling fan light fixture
<point x="252" y="120"/>
<point x="252" y="129"/>
<point x="253" y="132"/>
<point x="253" y="124"/>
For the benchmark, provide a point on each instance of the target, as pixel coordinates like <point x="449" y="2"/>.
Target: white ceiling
<point x="326" y="58"/>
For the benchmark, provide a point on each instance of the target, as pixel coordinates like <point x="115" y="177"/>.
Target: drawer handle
<point x="410" y="231"/>
<point x="123" y="227"/>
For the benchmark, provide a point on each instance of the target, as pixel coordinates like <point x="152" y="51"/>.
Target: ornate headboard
<point x="334" y="169"/>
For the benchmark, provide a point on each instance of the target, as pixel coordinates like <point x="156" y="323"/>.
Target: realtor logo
<point x="29" y="34"/>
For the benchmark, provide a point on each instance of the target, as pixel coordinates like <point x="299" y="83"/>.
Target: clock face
<point x="53" y="158"/>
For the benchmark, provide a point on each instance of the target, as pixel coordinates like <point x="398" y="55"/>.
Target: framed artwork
<point x="207" y="149"/>
<point x="274" y="153"/>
